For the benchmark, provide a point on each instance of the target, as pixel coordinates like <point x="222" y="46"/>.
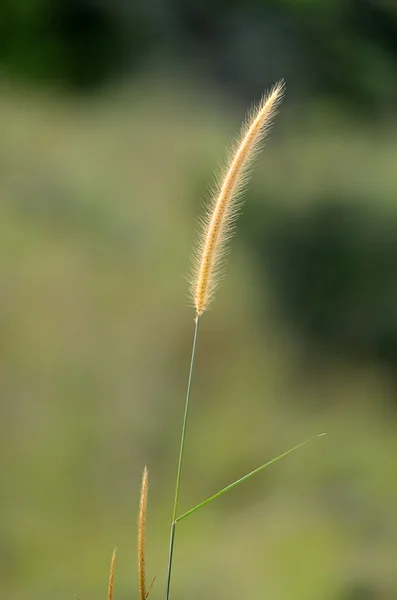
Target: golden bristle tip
<point x="142" y="535"/>
<point x="218" y="221"/>
<point x="111" y="576"/>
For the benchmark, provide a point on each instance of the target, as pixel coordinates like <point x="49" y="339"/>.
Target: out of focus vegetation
<point x="99" y="194"/>
<point x="346" y="49"/>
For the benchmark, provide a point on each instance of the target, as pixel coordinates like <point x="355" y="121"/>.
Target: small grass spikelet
<point x="217" y="225"/>
<point x="142" y="536"/>
<point x="111" y="577"/>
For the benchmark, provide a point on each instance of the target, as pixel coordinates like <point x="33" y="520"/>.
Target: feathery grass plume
<point x="142" y="535"/>
<point x="217" y="225"/>
<point x="111" y="577"/>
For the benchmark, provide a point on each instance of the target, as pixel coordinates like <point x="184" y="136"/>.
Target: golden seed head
<point x="142" y="535"/>
<point x="218" y="222"/>
<point x="111" y="577"/>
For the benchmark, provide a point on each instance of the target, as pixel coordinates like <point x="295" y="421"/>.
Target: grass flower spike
<point x="219" y="219"/>
<point x="142" y="536"/>
<point x="111" y="577"/>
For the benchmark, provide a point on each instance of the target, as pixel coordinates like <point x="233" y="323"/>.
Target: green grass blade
<point x="235" y="483"/>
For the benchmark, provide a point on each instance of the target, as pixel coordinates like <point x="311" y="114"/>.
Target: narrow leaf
<point x="235" y="483"/>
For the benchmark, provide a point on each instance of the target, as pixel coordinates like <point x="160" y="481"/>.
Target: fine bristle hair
<point x="142" y="535"/>
<point x="218" y="222"/>
<point x="111" y="577"/>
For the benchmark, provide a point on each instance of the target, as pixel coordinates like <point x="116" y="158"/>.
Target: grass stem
<point x="170" y="556"/>
<point x="180" y="460"/>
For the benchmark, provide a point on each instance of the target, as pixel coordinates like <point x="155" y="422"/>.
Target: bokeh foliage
<point x="344" y="49"/>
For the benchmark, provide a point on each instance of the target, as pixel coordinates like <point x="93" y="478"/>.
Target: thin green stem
<point x="180" y="460"/>
<point x="171" y="554"/>
<point x="182" y="446"/>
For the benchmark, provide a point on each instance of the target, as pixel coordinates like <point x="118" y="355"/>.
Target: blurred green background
<point x="113" y="117"/>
